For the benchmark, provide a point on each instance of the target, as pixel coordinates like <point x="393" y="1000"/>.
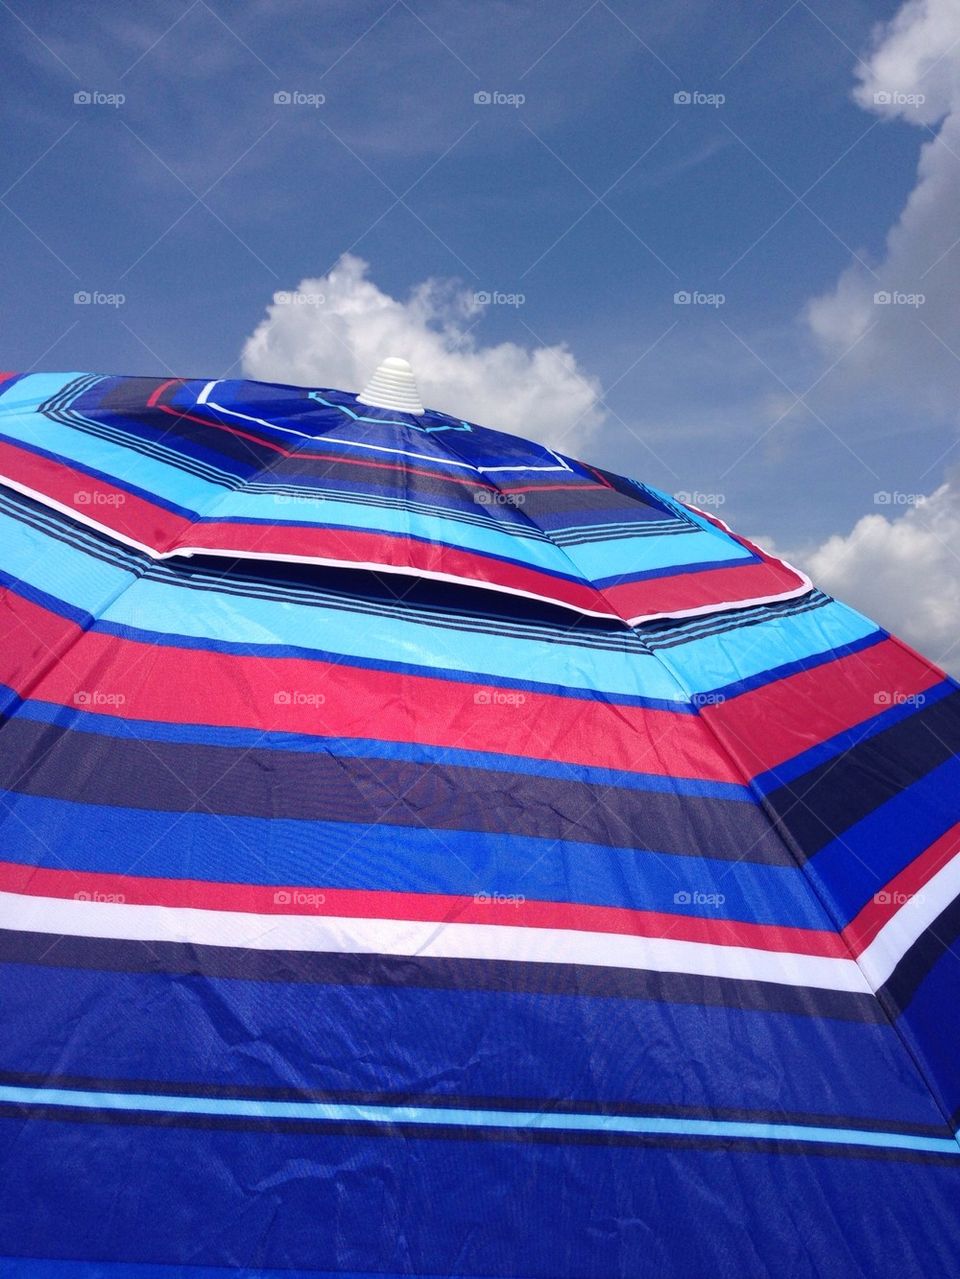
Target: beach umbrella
<point x="422" y="853"/>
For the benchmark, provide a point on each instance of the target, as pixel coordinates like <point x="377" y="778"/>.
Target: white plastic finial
<point x="393" y="386"/>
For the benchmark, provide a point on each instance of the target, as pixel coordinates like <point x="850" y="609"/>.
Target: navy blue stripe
<point x="818" y="806"/>
<point x="366" y="748"/>
<point x="850" y="737"/>
<point x="47" y="760"/>
<point x="413" y="972"/>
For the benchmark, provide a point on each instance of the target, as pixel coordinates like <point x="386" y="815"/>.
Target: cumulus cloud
<point x="902" y="569"/>
<point x="335" y="329"/>
<point x="903" y="307"/>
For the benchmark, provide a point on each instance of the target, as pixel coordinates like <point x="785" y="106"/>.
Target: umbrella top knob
<point x="393" y="386"/>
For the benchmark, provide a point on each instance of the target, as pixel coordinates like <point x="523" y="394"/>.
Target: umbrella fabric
<point x="423" y="853"/>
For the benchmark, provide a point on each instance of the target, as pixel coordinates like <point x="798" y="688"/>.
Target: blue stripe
<point x="169" y="488"/>
<point x="727" y="663"/>
<point x="866" y="856"/>
<point x="261" y="1200"/>
<point x="440" y="1116"/>
<point x="842" y="742"/>
<point x="654" y="674"/>
<point x="49" y="832"/>
<point x="450" y="1047"/>
<point x="364" y="748"/>
<point x="738" y="661"/>
<point x="37" y="1268"/>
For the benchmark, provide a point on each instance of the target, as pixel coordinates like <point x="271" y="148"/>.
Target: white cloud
<point x="902" y="570"/>
<point x="912" y="74"/>
<point x="334" y="330"/>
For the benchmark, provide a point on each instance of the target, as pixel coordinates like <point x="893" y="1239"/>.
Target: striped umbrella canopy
<point x="426" y="854"/>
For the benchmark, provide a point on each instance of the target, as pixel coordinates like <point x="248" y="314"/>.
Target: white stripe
<point x="202" y="397"/>
<point x="230" y="553"/>
<point x="912" y="919"/>
<point x="333" y="934"/>
<point x="112" y="533"/>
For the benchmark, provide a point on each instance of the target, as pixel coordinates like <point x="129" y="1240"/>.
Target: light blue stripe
<point x="33" y="389"/>
<point x="183" y="489"/>
<point x="433" y="1116"/>
<point x="630" y="555"/>
<point x="717" y="661"/>
<point x="87" y="583"/>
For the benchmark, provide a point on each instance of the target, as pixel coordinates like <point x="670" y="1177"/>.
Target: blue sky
<point x="597" y="199"/>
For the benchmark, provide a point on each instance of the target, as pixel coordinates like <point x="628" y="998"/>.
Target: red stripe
<point x="769" y="725"/>
<point x="301" y="452"/>
<point x="196" y="686"/>
<point x="159" y="390"/>
<point x="354" y="903"/>
<point x="861" y="931"/>
<point x="91" y="498"/>
<point x="708" y="588"/>
<point x="151" y="525"/>
<point x="397" y="552"/>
